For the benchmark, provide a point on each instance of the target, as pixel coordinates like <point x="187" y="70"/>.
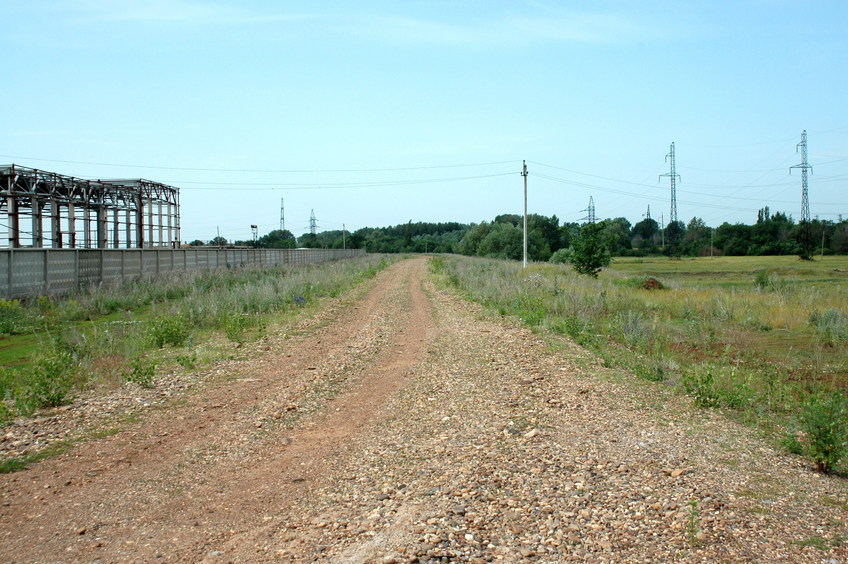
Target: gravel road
<point x="403" y="424"/>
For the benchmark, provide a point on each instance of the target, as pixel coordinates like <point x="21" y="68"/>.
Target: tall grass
<point x="105" y="334"/>
<point x="758" y="346"/>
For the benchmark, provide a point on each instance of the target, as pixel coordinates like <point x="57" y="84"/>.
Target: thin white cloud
<point x="174" y="11"/>
<point x="481" y="32"/>
<point x="573" y="28"/>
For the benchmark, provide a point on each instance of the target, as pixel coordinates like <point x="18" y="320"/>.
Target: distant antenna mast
<point x="673" y="176"/>
<point x="282" y="215"/>
<point x="648" y="215"/>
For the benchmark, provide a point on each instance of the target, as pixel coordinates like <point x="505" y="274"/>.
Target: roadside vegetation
<point x="53" y="348"/>
<point x="773" y="234"/>
<point x="763" y="338"/>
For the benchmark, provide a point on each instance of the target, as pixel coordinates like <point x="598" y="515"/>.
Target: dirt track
<point x="410" y="427"/>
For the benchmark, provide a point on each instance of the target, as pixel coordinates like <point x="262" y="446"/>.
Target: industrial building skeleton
<point x="113" y="213"/>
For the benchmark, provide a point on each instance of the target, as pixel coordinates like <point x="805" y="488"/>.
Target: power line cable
<point x="336" y="185"/>
<point x="257" y="170"/>
<point x="621" y="192"/>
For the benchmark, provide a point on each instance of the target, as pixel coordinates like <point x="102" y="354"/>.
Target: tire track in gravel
<point x="501" y="449"/>
<point x="201" y="480"/>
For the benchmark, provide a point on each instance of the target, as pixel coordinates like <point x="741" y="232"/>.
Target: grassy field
<point x="760" y="336"/>
<point x="778" y="313"/>
<point x="52" y="348"/>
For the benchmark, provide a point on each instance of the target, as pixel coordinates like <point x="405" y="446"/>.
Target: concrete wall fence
<point x="34" y="272"/>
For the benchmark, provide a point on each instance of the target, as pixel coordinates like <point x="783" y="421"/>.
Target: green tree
<point x="589" y="251"/>
<point x="674" y="232"/>
<point x="548" y="228"/>
<point x="277" y="239"/>
<point x="504" y="241"/>
<point x="645" y="235"/>
<point x="471" y="242"/>
<point x="617" y="235"/>
<point x="511" y="218"/>
<point x="839" y="240"/>
<point x="696" y="242"/>
<point x="771" y="234"/>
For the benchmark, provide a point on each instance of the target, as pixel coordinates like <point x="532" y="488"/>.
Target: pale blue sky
<point x="376" y="113"/>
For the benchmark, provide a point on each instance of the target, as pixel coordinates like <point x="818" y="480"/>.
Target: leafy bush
<point x="235" y="326"/>
<point x="14" y="318"/>
<point x="709" y="386"/>
<point x="49" y="383"/>
<point x="561" y="256"/>
<point x="142" y="372"/>
<point x="187" y="361"/>
<point x="572" y="326"/>
<point x="824" y="421"/>
<point x="701" y="386"/>
<point x="168" y="330"/>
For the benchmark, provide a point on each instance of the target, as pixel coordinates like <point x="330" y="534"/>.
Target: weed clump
<point x="824" y="422"/>
<point x="171" y="330"/>
<point x="714" y="387"/>
<point x="142" y="373"/>
<point x="238" y="325"/>
<point x="49" y="383"/>
<point x="831" y="324"/>
<point x="14" y="318"/>
<point x="768" y="281"/>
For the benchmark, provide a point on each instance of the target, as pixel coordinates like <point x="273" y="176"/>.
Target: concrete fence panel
<point x="34" y="272"/>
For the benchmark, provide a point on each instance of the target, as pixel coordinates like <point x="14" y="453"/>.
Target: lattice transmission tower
<point x="313" y="224"/>
<point x="806" y="234"/>
<point x="673" y="177"/>
<point x="590" y="211"/>
<point x="804" y="166"/>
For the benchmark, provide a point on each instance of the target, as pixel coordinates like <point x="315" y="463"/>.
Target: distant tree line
<point x="503" y="237"/>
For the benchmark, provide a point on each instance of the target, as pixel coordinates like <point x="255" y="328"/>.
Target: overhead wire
<point x="621" y="192"/>
<point x="335" y="185"/>
<point x="263" y="171"/>
<point x="787" y="183"/>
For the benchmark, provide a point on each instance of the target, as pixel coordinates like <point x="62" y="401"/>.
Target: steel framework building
<point x="113" y="214"/>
